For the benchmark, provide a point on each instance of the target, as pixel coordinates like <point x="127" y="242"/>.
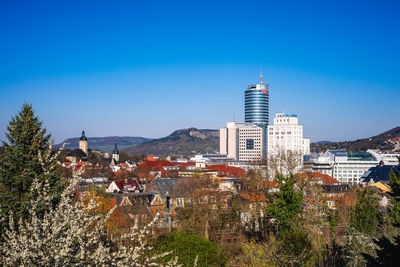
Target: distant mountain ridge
<point x="183" y="142"/>
<point x="105" y="143"/>
<point x="387" y="141"/>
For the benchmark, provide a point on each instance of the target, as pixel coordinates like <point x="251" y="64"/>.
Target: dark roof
<point x="83" y="137"/>
<point x="77" y="153"/>
<point x="168" y="185"/>
<point x="115" y="151"/>
<point x="379" y="173"/>
<point x="336" y="188"/>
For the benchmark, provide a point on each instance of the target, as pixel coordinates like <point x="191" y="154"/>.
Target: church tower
<point x="83" y="143"/>
<point x="115" y="154"/>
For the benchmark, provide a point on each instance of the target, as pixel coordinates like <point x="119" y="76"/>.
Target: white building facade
<point x="287" y="135"/>
<point x="243" y="141"/>
<point x="387" y="158"/>
<point x="344" y="167"/>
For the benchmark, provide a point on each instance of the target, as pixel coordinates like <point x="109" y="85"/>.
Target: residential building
<point x="124" y="187"/>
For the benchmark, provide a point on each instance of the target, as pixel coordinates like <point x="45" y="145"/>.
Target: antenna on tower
<point x="234" y="119"/>
<point x="261" y="81"/>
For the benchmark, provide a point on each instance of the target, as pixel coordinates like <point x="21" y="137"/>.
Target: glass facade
<point x="256" y="109"/>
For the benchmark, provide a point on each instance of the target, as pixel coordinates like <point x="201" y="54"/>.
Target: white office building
<point x="387" y="158"/>
<point x="344" y="167"/>
<point x="287" y="135"/>
<point x="243" y="141"/>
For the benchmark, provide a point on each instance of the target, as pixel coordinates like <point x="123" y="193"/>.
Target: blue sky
<point x="146" y="68"/>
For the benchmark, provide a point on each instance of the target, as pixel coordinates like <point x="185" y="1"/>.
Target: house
<point x="228" y="171"/>
<point x="124" y="187"/>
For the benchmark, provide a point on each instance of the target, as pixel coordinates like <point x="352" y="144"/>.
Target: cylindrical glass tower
<point x="256" y="104"/>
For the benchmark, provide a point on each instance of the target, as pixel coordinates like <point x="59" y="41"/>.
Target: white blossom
<point x="71" y="233"/>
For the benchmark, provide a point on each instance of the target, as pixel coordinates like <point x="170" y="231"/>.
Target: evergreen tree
<point x="286" y="203"/>
<point x="365" y="215"/>
<point x="394" y="208"/>
<point x="388" y="251"/>
<point x="20" y="164"/>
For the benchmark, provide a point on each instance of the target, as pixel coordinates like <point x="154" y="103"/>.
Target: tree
<point x="286" y="203"/>
<point x="189" y="248"/>
<point x="365" y="215"/>
<point x="72" y="233"/>
<point x="388" y="245"/>
<point x="394" y="208"/>
<point x="20" y="163"/>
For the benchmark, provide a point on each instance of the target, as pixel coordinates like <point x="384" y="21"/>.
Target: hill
<point x="106" y="143"/>
<point x="183" y="142"/>
<point x="387" y="141"/>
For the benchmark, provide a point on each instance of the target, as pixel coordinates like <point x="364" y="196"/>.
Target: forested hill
<point x="106" y="143"/>
<point x="385" y="141"/>
<point x="184" y="142"/>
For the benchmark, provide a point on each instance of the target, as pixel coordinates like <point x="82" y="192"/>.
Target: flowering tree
<point x="71" y="233"/>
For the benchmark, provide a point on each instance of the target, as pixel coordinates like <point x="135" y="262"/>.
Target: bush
<point x="188" y="247"/>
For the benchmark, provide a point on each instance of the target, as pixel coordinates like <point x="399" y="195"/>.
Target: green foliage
<point x="286" y="203"/>
<point x="333" y="223"/>
<point x="123" y="157"/>
<point x="394" y="208"/>
<point x="388" y="253"/>
<point x="365" y="215"/>
<point x="296" y="244"/>
<point x="20" y="163"/>
<point x="189" y="246"/>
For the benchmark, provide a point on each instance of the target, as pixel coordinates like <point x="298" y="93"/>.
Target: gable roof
<point x="324" y="178"/>
<point x="127" y="185"/>
<point x="168" y="185"/>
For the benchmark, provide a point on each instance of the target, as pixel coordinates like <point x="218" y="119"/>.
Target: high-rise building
<point x="243" y="141"/>
<point x="256" y="104"/>
<point x="287" y="135"/>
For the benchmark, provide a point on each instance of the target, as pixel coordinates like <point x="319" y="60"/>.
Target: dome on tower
<point x="115" y="151"/>
<point x="83" y="137"/>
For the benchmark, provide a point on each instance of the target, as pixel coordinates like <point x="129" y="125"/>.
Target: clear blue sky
<point x="146" y="68"/>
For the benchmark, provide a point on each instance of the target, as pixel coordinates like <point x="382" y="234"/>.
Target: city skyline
<point x="137" y="69"/>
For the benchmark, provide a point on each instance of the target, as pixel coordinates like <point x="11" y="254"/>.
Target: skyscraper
<point x="256" y="104"/>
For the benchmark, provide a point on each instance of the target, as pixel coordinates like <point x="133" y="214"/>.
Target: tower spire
<point x="261" y="79"/>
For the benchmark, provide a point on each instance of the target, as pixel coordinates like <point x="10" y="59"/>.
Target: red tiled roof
<point x="253" y="197"/>
<point x="229" y="171"/>
<point x="326" y="179"/>
<point x="123" y="165"/>
<point x="122" y="184"/>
